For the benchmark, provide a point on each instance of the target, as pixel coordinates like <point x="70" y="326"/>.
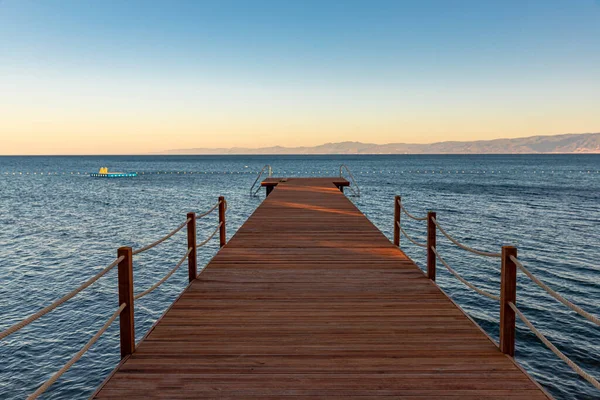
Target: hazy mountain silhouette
<point x="567" y="143"/>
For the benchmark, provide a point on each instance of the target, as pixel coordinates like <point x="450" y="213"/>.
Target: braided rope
<point x="409" y="238"/>
<point x="159" y="241"/>
<point x="209" y="211"/>
<point x="77" y="356"/>
<point x="167" y="276"/>
<point x="574" y="307"/>
<point x="462" y="246"/>
<point x="463" y="280"/>
<point x="409" y="214"/>
<point x="555" y="350"/>
<point x="211" y="236"/>
<point x="60" y="301"/>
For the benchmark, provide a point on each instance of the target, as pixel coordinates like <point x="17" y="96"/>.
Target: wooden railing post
<point x="222" y="237"/>
<point x="397" y="200"/>
<point x="431" y="236"/>
<point x="508" y="294"/>
<point x="191" y="239"/>
<point x="127" y="328"/>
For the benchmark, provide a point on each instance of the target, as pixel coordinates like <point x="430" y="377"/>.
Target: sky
<point x="136" y="77"/>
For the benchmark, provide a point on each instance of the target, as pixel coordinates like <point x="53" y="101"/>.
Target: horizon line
<point x="300" y="154"/>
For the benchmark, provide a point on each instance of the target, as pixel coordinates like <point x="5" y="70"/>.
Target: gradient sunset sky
<point x="130" y="77"/>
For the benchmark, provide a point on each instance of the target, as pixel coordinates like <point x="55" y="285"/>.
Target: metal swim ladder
<point x="354" y="185"/>
<point x="253" y="192"/>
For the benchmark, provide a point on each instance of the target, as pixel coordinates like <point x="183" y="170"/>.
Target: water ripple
<point x="58" y="230"/>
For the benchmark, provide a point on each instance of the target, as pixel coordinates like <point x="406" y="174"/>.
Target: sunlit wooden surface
<point x="310" y="299"/>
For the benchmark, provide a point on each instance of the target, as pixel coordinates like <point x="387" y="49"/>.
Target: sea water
<point x="58" y="227"/>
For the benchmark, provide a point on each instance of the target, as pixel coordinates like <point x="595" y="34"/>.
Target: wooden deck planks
<point x="310" y="299"/>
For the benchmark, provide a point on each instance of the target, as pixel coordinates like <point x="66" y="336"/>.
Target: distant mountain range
<point x="567" y="143"/>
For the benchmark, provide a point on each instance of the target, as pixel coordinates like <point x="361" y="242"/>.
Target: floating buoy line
<point x="319" y="173"/>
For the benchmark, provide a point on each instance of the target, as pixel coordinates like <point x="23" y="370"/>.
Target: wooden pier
<point x="310" y="299"/>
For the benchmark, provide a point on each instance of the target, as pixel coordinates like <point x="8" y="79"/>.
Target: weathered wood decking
<point x="310" y="299"/>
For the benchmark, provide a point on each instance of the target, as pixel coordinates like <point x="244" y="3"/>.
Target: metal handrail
<point x="262" y="171"/>
<point x="354" y="185"/>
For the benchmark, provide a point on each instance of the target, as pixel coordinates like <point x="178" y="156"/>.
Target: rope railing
<point x="510" y="264"/>
<point x="462" y="246"/>
<point x="164" y="279"/>
<point x="60" y="301"/>
<point x="211" y="236"/>
<point x="124" y="261"/>
<point x="409" y="214"/>
<point x="463" y="280"/>
<point x="159" y="241"/>
<point x="507" y="287"/>
<point x="554" y="349"/>
<point x="590" y="317"/>
<point x="213" y="208"/>
<point x="409" y="238"/>
<point x="77" y="356"/>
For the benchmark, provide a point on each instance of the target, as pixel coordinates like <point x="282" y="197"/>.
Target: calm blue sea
<point x="58" y="227"/>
